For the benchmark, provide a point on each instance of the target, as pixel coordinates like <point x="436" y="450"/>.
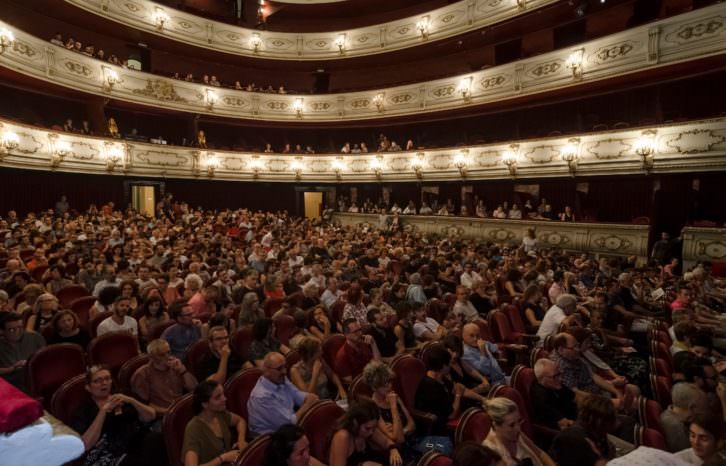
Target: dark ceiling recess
<point x="570" y="34"/>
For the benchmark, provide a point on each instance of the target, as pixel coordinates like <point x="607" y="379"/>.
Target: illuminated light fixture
<point x="338" y="167"/>
<point x="418" y="163"/>
<point x="256" y="165"/>
<point x="645" y="148"/>
<point x="509" y="157"/>
<point x="110" y="79"/>
<point x="461" y="161"/>
<point x="378" y="99"/>
<point x="210" y="98"/>
<point x="255" y="42"/>
<point x="297" y="167"/>
<point x="298" y="105"/>
<point x="422" y="26"/>
<point x="340" y="43"/>
<point x="376" y="165"/>
<point x="9" y="141"/>
<point x="212" y="164"/>
<point x="60" y="149"/>
<point x="571" y="154"/>
<point x="575" y="62"/>
<point x="464" y="88"/>
<point x="114" y="155"/>
<point x="7" y="38"/>
<point x="160" y="18"/>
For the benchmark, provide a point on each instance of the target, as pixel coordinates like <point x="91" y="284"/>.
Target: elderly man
<point x="357" y="351"/>
<point x="479" y="355"/>
<point x="687" y="398"/>
<point x="273" y="400"/>
<point x="553" y="403"/>
<point x="185" y="332"/>
<point x="221" y="361"/>
<point x="463" y="306"/>
<point x="414" y="293"/>
<point x="331" y="293"/>
<point x="562" y="312"/>
<point x="119" y="321"/>
<point x="163" y="379"/>
<point x="16" y="347"/>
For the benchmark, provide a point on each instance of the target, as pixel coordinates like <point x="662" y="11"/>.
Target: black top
<point x="536" y="308"/>
<point x="385" y="340"/>
<point x="550" y="405"/>
<point x="81" y="338"/>
<point x="409" y="339"/>
<point x="210" y="363"/>
<point x="571" y="448"/>
<point x="436" y="398"/>
<point x="482" y="304"/>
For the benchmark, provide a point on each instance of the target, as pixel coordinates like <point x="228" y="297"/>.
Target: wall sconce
<point x="255" y="42"/>
<point x="571" y="155"/>
<point x="522" y="4"/>
<point x="210" y="98"/>
<point x="645" y="148"/>
<point x="340" y="43"/>
<point x="114" y="156"/>
<point x="464" y="88"/>
<point x="110" y="79"/>
<point x="422" y="25"/>
<point x="338" y="167"/>
<point x="60" y="149"/>
<point x="297" y="167"/>
<point x="256" y="165"/>
<point x="510" y="159"/>
<point x="10" y="141"/>
<point x="378" y="99"/>
<point x="418" y="163"/>
<point x="377" y="166"/>
<point x="7" y="38"/>
<point x="298" y="105"/>
<point x="160" y="18"/>
<point x="212" y="165"/>
<point x="575" y="63"/>
<point x="461" y="161"/>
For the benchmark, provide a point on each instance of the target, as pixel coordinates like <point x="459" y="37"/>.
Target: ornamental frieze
<point x="160" y="90"/>
<point x="695" y="141"/>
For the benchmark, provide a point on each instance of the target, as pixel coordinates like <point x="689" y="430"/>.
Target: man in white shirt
<point x="469" y="278"/>
<point x="565" y="306"/>
<point x="119" y="321"/>
<point x="464" y="307"/>
<point x="425" y="328"/>
<point x="331" y="293"/>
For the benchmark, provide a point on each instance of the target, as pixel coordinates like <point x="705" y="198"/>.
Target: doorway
<point x="143" y="199"/>
<point x="313" y="204"/>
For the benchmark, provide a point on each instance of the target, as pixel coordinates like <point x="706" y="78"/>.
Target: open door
<point x="143" y="199"/>
<point x="313" y="202"/>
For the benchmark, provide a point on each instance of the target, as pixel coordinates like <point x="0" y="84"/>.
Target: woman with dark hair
<point x="405" y="338"/>
<point x="264" y="342"/>
<point x="532" y="311"/>
<point x="319" y="323"/>
<point x="130" y="290"/>
<point x="472" y="454"/>
<point x="67" y="329"/>
<point x="152" y="314"/>
<point x="250" y="310"/>
<point x="289" y="447"/>
<point x="358" y="439"/>
<point x="586" y="442"/>
<point x="512" y="284"/>
<point x="207" y="437"/>
<point x="354" y="307"/>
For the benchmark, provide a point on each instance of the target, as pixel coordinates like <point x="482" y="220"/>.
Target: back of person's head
<point x="683" y="330"/>
<point x="498" y="408"/>
<point x="579" y="333"/>
<point x="474" y="454"/>
<point x="693" y="368"/>
<point x="565" y="301"/>
<point x="202" y="394"/>
<point x="437" y="357"/>
<point x="176" y="307"/>
<point x="282" y="444"/>
<point x="359" y="412"/>
<point x="686" y="395"/>
<point x="346" y="325"/>
<point x="377" y="374"/>
<point x="372" y="314"/>
<point x="261" y="328"/>
<point x="308" y="348"/>
<point x="108" y="295"/>
<point x="597" y="415"/>
<point x="454" y="343"/>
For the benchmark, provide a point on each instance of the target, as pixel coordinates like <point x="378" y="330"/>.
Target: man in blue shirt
<point x="479" y="355"/>
<point x="185" y="332"/>
<point x="273" y="400"/>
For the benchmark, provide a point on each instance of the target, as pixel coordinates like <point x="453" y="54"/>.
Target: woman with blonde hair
<point x="44" y="309"/>
<point x="506" y="437"/>
<point x="311" y="374"/>
<point x="395" y="421"/>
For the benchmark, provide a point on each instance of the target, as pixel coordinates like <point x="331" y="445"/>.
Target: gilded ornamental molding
<point x="697" y="146"/>
<point x="448" y="21"/>
<point x="691" y="36"/>
<point x="702" y="244"/>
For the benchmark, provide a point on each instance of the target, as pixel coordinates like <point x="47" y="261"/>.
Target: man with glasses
<point x="220" y="362"/>
<point x="357" y="351"/>
<point x="553" y="404"/>
<point x="16" y="348"/>
<point x="273" y="400"/>
<point x="185" y="332"/>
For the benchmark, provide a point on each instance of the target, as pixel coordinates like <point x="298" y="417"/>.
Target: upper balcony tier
<point x="449" y="21"/>
<point x="693" y="39"/>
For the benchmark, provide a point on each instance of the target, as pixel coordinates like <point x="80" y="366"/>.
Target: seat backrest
<point x="536" y="354"/>
<point x="434" y="458"/>
<point x="515" y="318"/>
<point x="649" y="438"/>
<point x="49" y="367"/>
<point x="409" y="373"/>
<point x="319" y="423"/>
<point x="659" y="366"/>
<point x="195" y="356"/>
<point x="330" y="347"/>
<point x="359" y="389"/>
<point x="127" y="371"/>
<point x="68" y="397"/>
<point x="474" y="425"/>
<point x="254" y="453"/>
<point x="484" y="330"/>
<point x="660" y="350"/>
<point x="238" y="388"/>
<point x="649" y="414"/>
<point x="173" y="426"/>
<point x="241" y="340"/>
<point x="522" y="380"/>
<point x="70" y="293"/>
<point x="661" y="388"/>
<point x="508" y="392"/>
<point x="158" y="329"/>
<point x="113" y="349"/>
<point x="500" y="327"/>
<point x="82" y="307"/>
<point x="96" y="321"/>
<point x="284" y="328"/>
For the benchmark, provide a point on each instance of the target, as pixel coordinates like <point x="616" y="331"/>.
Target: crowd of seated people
<point x="405" y="332"/>
<point x="89" y="49"/>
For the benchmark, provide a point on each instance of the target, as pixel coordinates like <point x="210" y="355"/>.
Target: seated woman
<point x="222" y="318"/>
<point x="532" y="307"/>
<point x="437" y="394"/>
<point x="406" y="339"/>
<point x="250" y="309"/>
<point x="706" y="432"/>
<point x="66" y="329"/>
<point x="311" y="374"/>
<point x="506" y="438"/>
<point x="130" y="290"/>
<point x="153" y="314"/>
<point x="474" y="388"/>
<point x="358" y="441"/>
<point x="586" y="442"/>
<point x="44" y="309"/>
<point x="395" y="421"/>
<point x="264" y="342"/>
<point x="111" y="425"/>
<point x="207" y="437"/>
<point x="319" y="323"/>
<point x="289" y="446"/>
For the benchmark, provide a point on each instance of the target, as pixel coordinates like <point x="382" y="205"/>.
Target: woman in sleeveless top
<point x="44" y="310"/>
<point x="311" y="374"/>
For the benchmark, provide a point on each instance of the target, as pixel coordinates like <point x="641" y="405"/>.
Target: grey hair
<point x="377" y="374"/>
<point x="415" y="278"/>
<point x="540" y="366"/>
<point x="499" y="407"/>
<point x="685" y="395"/>
<point x="566" y="300"/>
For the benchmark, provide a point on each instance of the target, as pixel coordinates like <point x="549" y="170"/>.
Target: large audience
<point x="410" y="335"/>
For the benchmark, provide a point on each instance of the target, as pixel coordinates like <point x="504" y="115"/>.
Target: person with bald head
<point x="553" y="403"/>
<point x="273" y="400"/>
<point x="479" y="357"/>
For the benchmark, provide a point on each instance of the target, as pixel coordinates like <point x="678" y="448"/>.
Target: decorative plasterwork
<point x="607" y="239"/>
<point x="703" y="244"/>
<point x="605" y="58"/>
<point x="685" y="147"/>
<point x="448" y="21"/>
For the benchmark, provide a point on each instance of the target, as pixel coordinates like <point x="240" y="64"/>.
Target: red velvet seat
<point x="50" y="367"/>
<point x="659" y="367"/>
<point x="649" y="414"/>
<point x="522" y="380"/>
<point x="173" y="425"/>
<point x="70" y="293"/>
<point x="649" y="438"/>
<point x="434" y="458"/>
<point x="68" y="397"/>
<point x="241" y="340"/>
<point x="660" y="336"/>
<point x="295" y="299"/>
<point x="661" y="351"/>
<point x="272" y="305"/>
<point x="474" y="425"/>
<point x="284" y="328"/>
<point x="82" y="307"/>
<point x="195" y="357"/>
<point x="96" y="321"/>
<point x="319" y="423"/>
<point x="508" y="392"/>
<point x="158" y="329"/>
<point x="127" y="371"/>
<point x="113" y="349"/>
<point x="536" y="354"/>
<point x="359" y="389"/>
<point x="330" y="347"/>
<point x="237" y="389"/>
<point x="254" y="453"/>
<point x="661" y="389"/>
<point x="409" y="372"/>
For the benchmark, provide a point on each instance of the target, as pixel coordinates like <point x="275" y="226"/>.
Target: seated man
<point x="221" y="362"/>
<point x="687" y="398"/>
<point x="357" y="351"/>
<point x="479" y="358"/>
<point x="16" y="347"/>
<point x="119" y="321"/>
<point x="463" y="306"/>
<point x="563" y="311"/>
<point x="425" y="328"/>
<point x="273" y="400"/>
<point x="382" y="333"/>
<point x="553" y="404"/>
<point x="185" y="332"/>
<point x="437" y="394"/>
<point x="202" y="303"/>
<point x="163" y="379"/>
